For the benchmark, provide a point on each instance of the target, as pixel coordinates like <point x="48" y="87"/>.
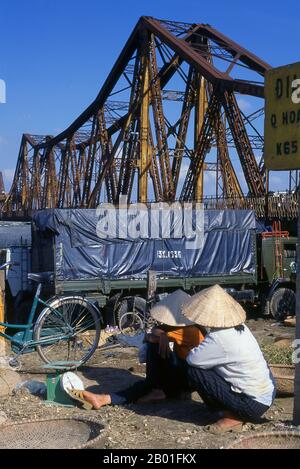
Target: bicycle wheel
<point x="131" y="324"/>
<point x="68" y="330"/>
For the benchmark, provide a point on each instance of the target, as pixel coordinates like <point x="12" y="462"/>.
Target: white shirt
<point x="236" y="357"/>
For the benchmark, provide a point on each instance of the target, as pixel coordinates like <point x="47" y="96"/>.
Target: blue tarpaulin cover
<point x="228" y="246"/>
<point x="14" y="234"/>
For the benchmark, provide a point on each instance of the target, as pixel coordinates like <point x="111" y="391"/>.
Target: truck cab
<point x="278" y="274"/>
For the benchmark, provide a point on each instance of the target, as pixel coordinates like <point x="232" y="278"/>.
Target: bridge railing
<point x="283" y="205"/>
<point x="272" y="206"/>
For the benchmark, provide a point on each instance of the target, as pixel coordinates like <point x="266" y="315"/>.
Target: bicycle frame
<point x="26" y="341"/>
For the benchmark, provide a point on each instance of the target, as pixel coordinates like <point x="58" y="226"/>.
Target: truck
<point x="256" y="265"/>
<point x="15" y="247"/>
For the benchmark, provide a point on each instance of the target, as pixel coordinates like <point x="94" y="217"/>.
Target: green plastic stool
<point x="55" y="393"/>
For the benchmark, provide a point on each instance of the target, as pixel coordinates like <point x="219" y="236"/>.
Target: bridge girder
<point x="131" y="141"/>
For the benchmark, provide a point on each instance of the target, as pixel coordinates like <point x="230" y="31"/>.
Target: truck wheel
<point x="283" y="303"/>
<point x="129" y="305"/>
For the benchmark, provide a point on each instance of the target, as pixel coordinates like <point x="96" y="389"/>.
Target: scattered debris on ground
<point x="290" y="321"/>
<point x="8" y="381"/>
<point x="170" y="424"/>
<point x="276" y="354"/>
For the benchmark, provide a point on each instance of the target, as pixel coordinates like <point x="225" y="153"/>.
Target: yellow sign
<point x="282" y="118"/>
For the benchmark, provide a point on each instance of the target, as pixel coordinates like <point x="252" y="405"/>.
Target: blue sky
<point x="56" y="54"/>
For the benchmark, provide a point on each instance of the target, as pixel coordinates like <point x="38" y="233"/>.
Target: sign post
<point x="282" y="152"/>
<point x="282" y="118"/>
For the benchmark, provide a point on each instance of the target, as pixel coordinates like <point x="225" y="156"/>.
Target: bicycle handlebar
<point x="8" y="264"/>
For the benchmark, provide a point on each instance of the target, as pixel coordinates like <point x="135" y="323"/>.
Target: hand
<point x="164" y="347"/>
<point x="157" y="331"/>
<point x="151" y="339"/>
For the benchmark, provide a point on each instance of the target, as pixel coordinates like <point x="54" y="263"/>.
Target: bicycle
<point x="65" y="333"/>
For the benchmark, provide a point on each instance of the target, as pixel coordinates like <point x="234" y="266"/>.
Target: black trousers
<point x="218" y="395"/>
<point x="169" y="374"/>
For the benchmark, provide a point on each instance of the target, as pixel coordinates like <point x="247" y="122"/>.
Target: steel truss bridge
<point x="171" y="111"/>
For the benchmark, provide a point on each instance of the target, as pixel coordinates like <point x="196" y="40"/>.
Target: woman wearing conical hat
<point x="166" y="369"/>
<point x="227" y="369"/>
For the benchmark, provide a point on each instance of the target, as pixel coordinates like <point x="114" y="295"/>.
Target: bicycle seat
<point x="43" y="277"/>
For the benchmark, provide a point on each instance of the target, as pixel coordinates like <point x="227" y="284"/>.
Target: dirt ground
<point x="173" y="424"/>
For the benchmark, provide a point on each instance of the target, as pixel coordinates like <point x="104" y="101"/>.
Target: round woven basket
<point x="60" y="433"/>
<point x="284" y="376"/>
<point x="269" y="440"/>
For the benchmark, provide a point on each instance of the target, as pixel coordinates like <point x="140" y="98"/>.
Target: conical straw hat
<point x="214" y="308"/>
<point x="168" y="310"/>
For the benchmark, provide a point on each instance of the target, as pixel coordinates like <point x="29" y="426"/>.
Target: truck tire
<point x="283" y="303"/>
<point x="127" y="305"/>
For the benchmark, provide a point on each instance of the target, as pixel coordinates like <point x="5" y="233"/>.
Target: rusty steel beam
<point x="109" y="83"/>
<point x="209" y="72"/>
<point x="250" y="167"/>
<point x="245" y="56"/>
<point x="188" y="104"/>
<point x="231" y="185"/>
<point x="200" y="109"/>
<point x="141" y="153"/>
<point x="201" y="103"/>
<point x="201" y="149"/>
<point x="183" y="50"/>
<point x="2" y="188"/>
<point x="160" y="125"/>
<point x="144" y="123"/>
